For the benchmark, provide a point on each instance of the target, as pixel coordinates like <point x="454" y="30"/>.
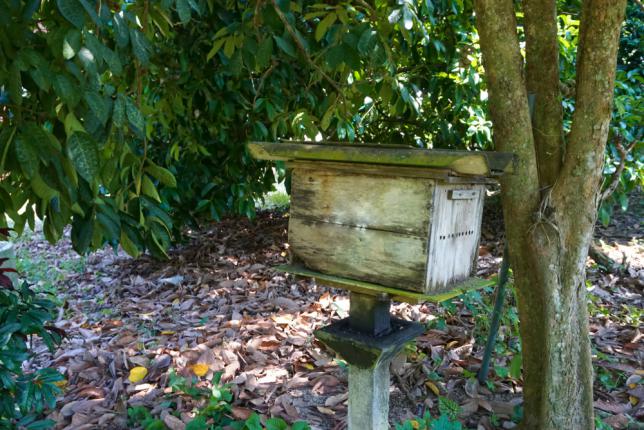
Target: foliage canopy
<point x="127" y="119"/>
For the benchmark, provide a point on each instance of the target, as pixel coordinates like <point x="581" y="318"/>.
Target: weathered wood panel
<point x="387" y="258"/>
<point x="454" y="235"/>
<point x="367" y="201"/>
<point x="464" y="162"/>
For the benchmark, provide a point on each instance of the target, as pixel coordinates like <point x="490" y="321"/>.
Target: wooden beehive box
<point x="396" y="216"/>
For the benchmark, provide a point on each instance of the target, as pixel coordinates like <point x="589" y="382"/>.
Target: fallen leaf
<point x="173" y="422"/>
<point x="326" y="411"/>
<point x="200" y="369"/>
<point x="433" y="387"/>
<point x="137" y="374"/>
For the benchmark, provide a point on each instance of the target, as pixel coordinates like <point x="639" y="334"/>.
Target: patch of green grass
<point x="275" y="200"/>
<point x="44" y="274"/>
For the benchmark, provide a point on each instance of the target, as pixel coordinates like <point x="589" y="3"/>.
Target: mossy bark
<point x="552" y="199"/>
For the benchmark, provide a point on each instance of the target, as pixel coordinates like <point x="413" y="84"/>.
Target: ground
<point x="219" y="303"/>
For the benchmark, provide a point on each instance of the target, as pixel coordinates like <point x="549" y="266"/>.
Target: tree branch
<point x="508" y="103"/>
<point x="580" y="177"/>
<point x="614" y="179"/>
<point x="302" y="49"/>
<point x="542" y="80"/>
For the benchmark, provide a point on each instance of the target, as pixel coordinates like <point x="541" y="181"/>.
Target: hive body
<point x="399" y="227"/>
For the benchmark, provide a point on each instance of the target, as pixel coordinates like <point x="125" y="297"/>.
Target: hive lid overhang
<point x="477" y="163"/>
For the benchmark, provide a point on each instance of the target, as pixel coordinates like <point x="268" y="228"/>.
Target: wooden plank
<point x="387" y="258"/>
<point x="454" y="236"/>
<point x="395" y="293"/>
<point x="444" y="175"/>
<point x="464" y="162"/>
<point x="386" y="203"/>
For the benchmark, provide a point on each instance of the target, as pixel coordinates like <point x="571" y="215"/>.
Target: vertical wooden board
<point x="454" y="234"/>
<point x="396" y="204"/>
<point x="382" y="257"/>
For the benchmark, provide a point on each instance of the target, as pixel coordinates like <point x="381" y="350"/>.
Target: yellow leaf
<point x="415" y="424"/>
<point x="309" y="366"/>
<point x="634" y="400"/>
<point x="451" y="344"/>
<point x="168" y="332"/>
<point x="61" y="384"/>
<point x="432" y="387"/>
<point x="137" y="374"/>
<point x="200" y="369"/>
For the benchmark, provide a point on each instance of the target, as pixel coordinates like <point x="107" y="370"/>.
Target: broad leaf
<point x="72" y="11"/>
<point x="27" y="155"/>
<point x="84" y="154"/>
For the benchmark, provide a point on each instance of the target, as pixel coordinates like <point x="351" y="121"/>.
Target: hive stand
<point x="384" y="222"/>
<point x="369" y="338"/>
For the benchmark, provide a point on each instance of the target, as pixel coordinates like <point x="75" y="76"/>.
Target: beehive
<point x="395" y="216"/>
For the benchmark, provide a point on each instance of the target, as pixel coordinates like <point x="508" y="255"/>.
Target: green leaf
<point x="113" y="61"/>
<point x="216" y="46"/>
<point x="140" y="46"/>
<point x="135" y="118"/>
<point x="195" y="5"/>
<point x="41" y="189"/>
<point x="97" y="105"/>
<point x="72" y="11"/>
<point x="264" y="53"/>
<point x="276" y="424"/>
<point x="110" y="224"/>
<point x="82" y="232"/>
<point x="324" y="25"/>
<point x="129" y="246"/>
<point x="89" y="8"/>
<point x="285" y="45"/>
<point x="229" y="46"/>
<point x="162" y="175"/>
<point x="199" y="423"/>
<point x="72" y="124"/>
<point x="515" y="367"/>
<point x="149" y="189"/>
<point x="253" y="422"/>
<point x="121" y="30"/>
<point x="95" y="46"/>
<point x="71" y="43"/>
<point x="118" y="113"/>
<point x="66" y="90"/>
<point x="27" y="155"/>
<point x="184" y="11"/>
<point x="300" y="425"/>
<point x="367" y="41"/>
<point x="40" y="139"/>
<point x="83" y="152"/>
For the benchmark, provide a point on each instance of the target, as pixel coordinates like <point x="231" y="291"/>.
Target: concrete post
<point x="368" y="340"/>
<point x="369" y="397"/>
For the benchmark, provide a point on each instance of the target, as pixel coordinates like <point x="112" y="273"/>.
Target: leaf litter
<point x="217" y="306"/>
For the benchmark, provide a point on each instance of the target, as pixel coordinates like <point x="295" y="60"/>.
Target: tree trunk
<point x="552" y="200"/>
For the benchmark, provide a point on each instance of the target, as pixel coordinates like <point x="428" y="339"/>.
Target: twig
<point x="614" y="180"/>
<point x="301" y="48"/>
<point x="261" y="82"/>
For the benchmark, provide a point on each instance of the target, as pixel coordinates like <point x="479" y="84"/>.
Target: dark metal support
<point x="369" y="314"/>
<point x="496" y="315"/>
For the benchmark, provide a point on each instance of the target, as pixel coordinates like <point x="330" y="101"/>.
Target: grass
<point x="45" y="272"/>
<point x="274" y="200"/>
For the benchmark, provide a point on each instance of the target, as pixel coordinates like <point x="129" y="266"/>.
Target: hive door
<point x="455" y="228"/>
